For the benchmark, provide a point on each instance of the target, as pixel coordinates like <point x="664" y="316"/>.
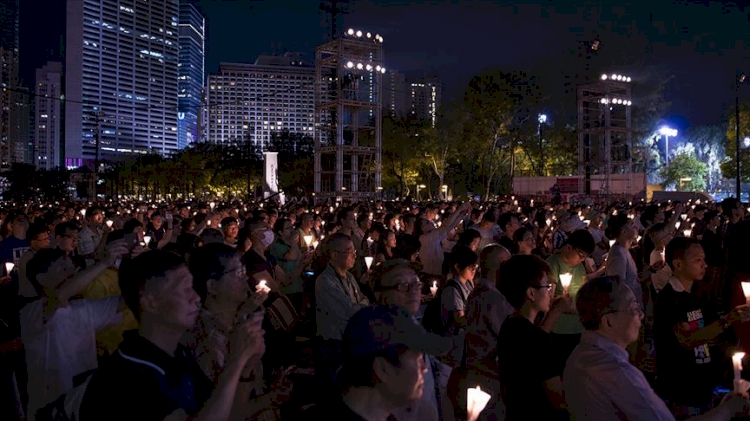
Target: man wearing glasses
<point x="397" y="284"/>
<point x="566" y="332"/>
<point x="530" y="383"/>
<point x="337" y="298"/>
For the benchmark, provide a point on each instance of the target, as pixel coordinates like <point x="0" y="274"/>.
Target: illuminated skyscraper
<point x="121" y="78"/>
<point x="426" y="97"/>
<point x="192" y="69"/>
<point x="47" y="115"/>
<point x="13" y="122"/>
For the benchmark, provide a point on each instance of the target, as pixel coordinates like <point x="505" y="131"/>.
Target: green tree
<point x="402" y="153"/>
<point x="728" y="167"/>
<point x="296" y="165"/>
<point x="685" y="172"/>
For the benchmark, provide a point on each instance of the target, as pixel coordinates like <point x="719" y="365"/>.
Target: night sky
<point x="701" y="44"/>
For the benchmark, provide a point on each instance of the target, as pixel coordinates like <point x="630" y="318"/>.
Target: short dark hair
<point x="64" y="227"/>
<point x="596" y="298"/>
<point x="505" y="219"/>
<point x="229" y="220"/>
<point x="206" y="263"/>
<point x="131" y="225"/>
<point x="581" y="240"/>
<point x="36" y="229"/>
<point x="135" y="274"/>
<point x="518" y="274"/>
<point x="40" y="264"/>
<point x="358" y="371"/>
<point x="278" y="226"/>
<point x="677" y="248"/>
<point x="616" y="223"/>
<point x="520" y="233"/>
<point x="489" y="216"/>
<point x="334" y="238"/>
<point x="463" y="257"/>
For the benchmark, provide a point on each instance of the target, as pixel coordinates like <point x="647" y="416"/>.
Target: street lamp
<point x="542" y="118"/>
<point x="666" y="132"/>
<point x="419" y="186"/>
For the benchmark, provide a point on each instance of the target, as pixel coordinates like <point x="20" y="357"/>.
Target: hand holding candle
<point x="434" y="288"/>
<point x="476" y="400"/>
<point x="565" y="279"/>
<point x="9" y="268"/>
<point x="146" y="239"/>
<point x="262" y="287"/>
<point x="308" y="240"/>
<point x="109" y="223"/>
<point x="368" y="261"/>
<point x="737" y="365"/>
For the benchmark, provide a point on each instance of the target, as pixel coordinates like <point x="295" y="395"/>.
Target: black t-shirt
<point x="526" y="359"/>
<point x="509" y="244"/>
<point x="337" y="410"/>
<point x="142" y="382"/>
<point x="685" y="376"/>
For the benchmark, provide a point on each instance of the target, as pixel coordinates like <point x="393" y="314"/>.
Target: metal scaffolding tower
<point x="348" y="113"/>
<point x="605" y="145"/>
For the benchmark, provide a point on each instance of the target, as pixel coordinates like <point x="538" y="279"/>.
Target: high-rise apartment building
<point x="13" y="97"/>
<point x="121" y="78"/>
<point x="47" y="116"/>
<point x="251" y="101"/>
<point x="192" y="70"/>
<point x="396" y="94"/>
<point x="426" y="97"/>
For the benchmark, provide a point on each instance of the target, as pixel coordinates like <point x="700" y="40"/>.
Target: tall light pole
<point x="542" y="118"/>
<point x="667" y="132"/>
<point x="741" y="78"/>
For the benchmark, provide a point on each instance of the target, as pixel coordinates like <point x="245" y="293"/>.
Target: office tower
<point x="121" y="74"/>
<point x="191" y="79"/>
<point x="426" y="96"/>
<point x="47" y="116"/>
<point x="252" y="101"/>
<point x="13" y="123"/>
<point x="396" y="94"/>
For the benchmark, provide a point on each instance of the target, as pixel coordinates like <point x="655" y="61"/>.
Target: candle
<point x="146" y="239"/>
<point x="9" y="267"/>
<point x="109" y="223"/>
<point x="565" y="279"/>
<point x="611" y="243"/>
<point x="212" y="205"/>
<point x="676" y="225"/>
<point x="308" y="239"/>
<point x="476" y="400"/>
<point x="434" y="288"/>
<point x="368" y="261"/>
<point x="737" y="364"/>
<point x="746" y="291"/>
<point x="262" y="287"/>
<point x="315" y="244"/>
<point x="683" y="216"/>
<point x="638" y="240"/>
<point x="687" y="232"/>
<point x="587" y="222"/>
<point x="83" y="212"/>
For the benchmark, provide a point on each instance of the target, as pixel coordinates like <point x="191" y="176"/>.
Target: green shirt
<point x="567" y="324"/>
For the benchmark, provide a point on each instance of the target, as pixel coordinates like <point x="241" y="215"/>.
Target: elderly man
<point x="397" y="284"/>
<point x="600" y="383"/>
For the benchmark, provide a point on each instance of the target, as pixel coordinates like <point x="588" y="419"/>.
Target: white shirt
<point x="63" y="347"/>
<point x="431" y="252"/>
<point x="601" y="385"/>
<point x="620" y="263"/>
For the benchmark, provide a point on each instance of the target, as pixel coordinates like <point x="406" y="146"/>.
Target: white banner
<point x="270" y="174"/>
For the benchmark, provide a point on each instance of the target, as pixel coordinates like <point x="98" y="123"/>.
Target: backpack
<point x="433" y="316"/>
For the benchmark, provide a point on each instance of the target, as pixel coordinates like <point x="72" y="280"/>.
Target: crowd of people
<point x="374" y="311"/>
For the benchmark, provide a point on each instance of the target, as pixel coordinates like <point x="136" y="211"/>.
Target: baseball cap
<point x="375" y="329"/>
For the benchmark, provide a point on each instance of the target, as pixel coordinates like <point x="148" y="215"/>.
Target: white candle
<point x="146" y="239"/>
<point x="308" y="239"/>
<point x="262" y="287"/>
<point x="687" y="232"/>
<point x="676" y="225"/>
<point x="476" y="400"/>
<point x="434" y="288"/>
<point x="109" y="223"/>
<point x="683" y="216"/>
<point x="587" y="222"/>
<point x="611" y="243"/>
<point x="368" y="261"/>
<point x="315" y="244"/>
<point x="565" y="279"/>
<point x="212" y="205"/>
<point x="9" y="267"/>
<point x="83" y="212"/>
<point x="746" y="291"/>
<point x="737" y="364"/>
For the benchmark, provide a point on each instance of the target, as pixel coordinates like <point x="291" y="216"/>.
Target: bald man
<point x="486" y="311"/>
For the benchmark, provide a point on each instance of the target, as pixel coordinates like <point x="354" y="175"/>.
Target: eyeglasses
<point x="240" y="271"/>
<point x="548" y="287"/>
<point x="353" y="252"/>
<point x="404" y="287"/>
